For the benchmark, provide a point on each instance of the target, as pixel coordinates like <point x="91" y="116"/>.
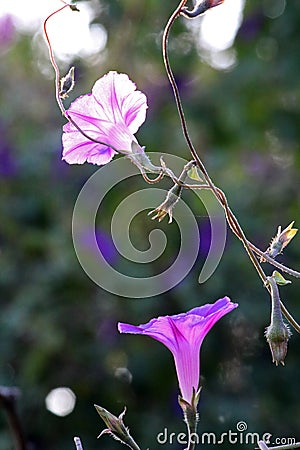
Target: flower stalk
<point x="191" y="417"/>
<point x="277" y="333"/>
<point x="52" y="58"/>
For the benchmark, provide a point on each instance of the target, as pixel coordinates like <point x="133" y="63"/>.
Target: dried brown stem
<point x="8" y="397"/>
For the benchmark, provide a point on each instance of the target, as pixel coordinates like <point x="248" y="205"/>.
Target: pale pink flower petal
<point x="111" y="114"/>
<point x="118" y="100"/>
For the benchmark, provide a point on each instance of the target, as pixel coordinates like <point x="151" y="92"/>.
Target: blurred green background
<point x="58" y="328"/>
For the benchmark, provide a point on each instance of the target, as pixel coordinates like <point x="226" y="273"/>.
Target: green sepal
<point x="193" y="174"/>
<point x="279" y="279"/>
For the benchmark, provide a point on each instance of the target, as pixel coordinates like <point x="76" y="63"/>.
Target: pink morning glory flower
<point x="183" y="335"/>
<point x="112" y="113"/>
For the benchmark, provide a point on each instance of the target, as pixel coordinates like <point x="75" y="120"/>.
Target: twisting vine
<point x="219" y="194"/>
<point x="162" y="170"/>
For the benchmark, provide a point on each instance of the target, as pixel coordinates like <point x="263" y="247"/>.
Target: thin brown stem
<point x="53" y="62"/>
<point x="219" y="194"/>
<point x="275" y="263"/>
<point x="272" y="261"/>
<point x="58" y="98"/>
<point x="231" y="219"/>
<point x="155" y="180"/>
<point x="260" y="253"/>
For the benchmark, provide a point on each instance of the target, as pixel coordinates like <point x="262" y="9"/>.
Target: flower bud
<point x="281" y="240"/>
<point x="168" y="204"/>
<point x="114" y="424"/>
<point x="74" y="8"/>
<point x="173" y="196"/>
<point x="277" y="333"/>
<point x="67" y="83"/>
<point x="277" y="337"/>
<point x="200" y="7"/>
<point x="116" y="427"/>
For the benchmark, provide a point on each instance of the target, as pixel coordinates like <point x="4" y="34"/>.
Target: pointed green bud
<point x="281" y="240"/>
<point x="116" y="427"/>
<point x="74" y="8"/>
<point x="114" y="424"/>
<point x="67" y="83"/>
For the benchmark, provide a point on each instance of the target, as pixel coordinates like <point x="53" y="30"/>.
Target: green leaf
<point x="193" y="174"/>
<point x="280" y="280"/>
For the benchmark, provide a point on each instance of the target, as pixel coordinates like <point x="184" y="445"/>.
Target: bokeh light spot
<point x="60" y="401"/>
<point x="63" y="27"/>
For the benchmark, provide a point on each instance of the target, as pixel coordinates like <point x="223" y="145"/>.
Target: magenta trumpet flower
<point x="111" y="114"/>
<point x="183" y="335"/>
